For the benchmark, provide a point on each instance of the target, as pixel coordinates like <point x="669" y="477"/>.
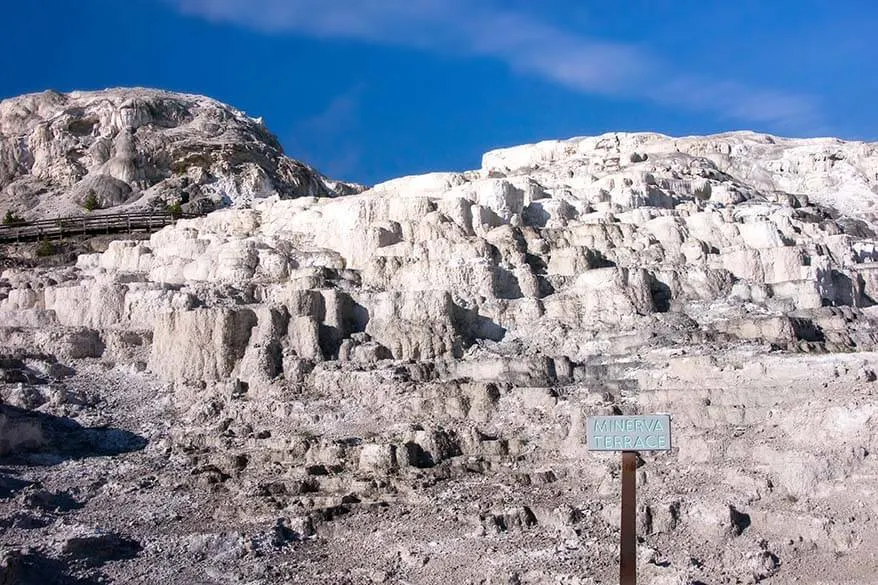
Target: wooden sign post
<point x="629" y="434"/>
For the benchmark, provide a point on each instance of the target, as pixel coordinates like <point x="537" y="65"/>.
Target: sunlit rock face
<point x="415" y="363"/>
<point x="557" y="247"/>
<point x="141" y="149"/>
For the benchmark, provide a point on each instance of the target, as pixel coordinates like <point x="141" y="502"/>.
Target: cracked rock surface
<point x="133" y="150"/>
<point x="392" y="386"/>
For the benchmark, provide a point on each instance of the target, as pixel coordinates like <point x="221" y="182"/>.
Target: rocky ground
<point x="771" y="480"/>
<point x="392" y="386"/>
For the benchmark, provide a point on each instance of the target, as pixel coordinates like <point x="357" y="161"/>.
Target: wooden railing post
<point x="58" y="227"/>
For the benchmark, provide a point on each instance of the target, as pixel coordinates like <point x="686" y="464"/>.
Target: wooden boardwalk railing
<point x="62" y="227"/>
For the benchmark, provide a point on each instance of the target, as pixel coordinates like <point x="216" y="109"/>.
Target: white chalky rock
<point x="140" y="149"/>
<point x="429" y="351"/>
<point x="556" y="247"/>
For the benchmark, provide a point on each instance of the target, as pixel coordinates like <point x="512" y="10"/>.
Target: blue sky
<point x="367" y="90"/>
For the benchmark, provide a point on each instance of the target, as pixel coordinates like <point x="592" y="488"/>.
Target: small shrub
<point x="45" y="248"/>
<point x="11" y="219"/>
<point x="175" y="209"/>
<point x="91" y="202"/>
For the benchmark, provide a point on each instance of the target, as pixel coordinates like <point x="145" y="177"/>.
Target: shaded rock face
<point x="140" y="148"/>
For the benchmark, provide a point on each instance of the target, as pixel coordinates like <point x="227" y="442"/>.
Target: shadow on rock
<point x="25" y="521"/>
<point x="95" y="550"/>
<point x="11" y="485"/>
<point x="475" y="326"/>
<point x="29" y="568"/>
<point x="51" y="501"/>
<point x="42" y="439"/>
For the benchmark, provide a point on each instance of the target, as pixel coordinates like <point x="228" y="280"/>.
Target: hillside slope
<point x="140" y="148"/>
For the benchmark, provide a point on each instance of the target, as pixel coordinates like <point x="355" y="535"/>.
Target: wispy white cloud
<point x="737" y="101"/>
<point x="523" y="43"/>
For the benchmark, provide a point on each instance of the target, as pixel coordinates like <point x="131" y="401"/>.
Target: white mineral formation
<point x="136" y="149"/>
<point x="410" y="368"/>
<point x="557" y="249"/>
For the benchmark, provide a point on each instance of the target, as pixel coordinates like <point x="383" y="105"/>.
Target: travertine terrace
<point x="391" y="386"/>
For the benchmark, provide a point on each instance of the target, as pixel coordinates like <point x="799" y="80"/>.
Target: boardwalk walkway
<point x="48" y="229"/>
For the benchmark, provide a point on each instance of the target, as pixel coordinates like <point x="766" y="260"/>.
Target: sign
<point x="629" y="434"/>
<point x="651" y="432"/>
